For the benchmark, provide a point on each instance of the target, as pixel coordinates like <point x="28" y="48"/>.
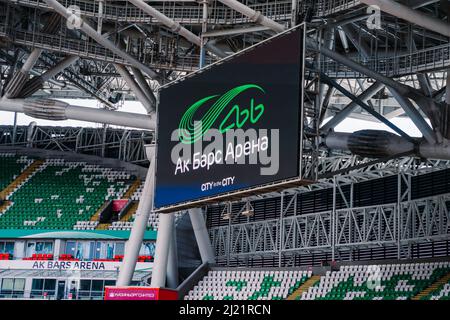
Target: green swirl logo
<point x="190" y="131"/>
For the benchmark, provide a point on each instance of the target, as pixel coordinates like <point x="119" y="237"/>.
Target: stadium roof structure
<point x="373" y="60"/>
<point x="126" y="49"/>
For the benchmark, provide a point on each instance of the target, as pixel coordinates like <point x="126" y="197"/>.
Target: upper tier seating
<point x="10" y="167"/>
<point x="377" y="282"/>
<point x="248" y="285"/>
<point x="61" y="193"/>
<point x="153" y="219"/>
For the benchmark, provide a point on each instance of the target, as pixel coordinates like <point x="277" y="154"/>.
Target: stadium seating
<point x="61" y="195"/>
<point x="144" y="258"/>
<point x="248" y="285"/>
<point x="5" y="256"/>
<point x="440" y="290"/>
<point x="120" y="258"/>
<point x="377" y="282"/>
<point x="443" y="293"/>
<point x="418" y="281"/>
<point x="85" y="225"/>
<point x="153" y="219"/>
<point x="10" y="167"/>
<point x="121" y="225"/>
<point x="40" y="256"/>
<point x="67" y="257"/>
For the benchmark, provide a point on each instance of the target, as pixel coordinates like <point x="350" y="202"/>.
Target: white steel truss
<point x="394" y="224"/>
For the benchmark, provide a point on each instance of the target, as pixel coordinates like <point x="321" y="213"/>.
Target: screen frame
<point x="255" y="190"/>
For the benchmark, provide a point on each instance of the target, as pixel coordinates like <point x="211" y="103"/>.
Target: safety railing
<point x="91" y="50"/>
<point x="429" y="59"/>
<point x="278" y="10"/>
<point x="413" y="221"/>
<point x="331" y="7"/>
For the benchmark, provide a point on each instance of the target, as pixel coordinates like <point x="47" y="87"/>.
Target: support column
<point x="30" y="133"/>
<point x="172" y="263"/>
<point x="163" y="242"/>
<point x="281" y="231"/>
<point x="37" y="82"/>
<point x="415" y="116"/>
<point x="135" y="88"/>
<point x="294" y="12"/>
<point x="139" y="226"/>
<point x="398" y="212"/>
<point x="105" y="128"/>
<point x="140" y="79"/>
<point x="20" y="78"/>
<point x="100" y="16"/>
<point x="333" y="222"/>
<point x="203" y="40"/>
<point x="14" y="129"/>
<point x="447" y="91"/>
<point x="347" y="110"/>
<point x="201" y="235"/>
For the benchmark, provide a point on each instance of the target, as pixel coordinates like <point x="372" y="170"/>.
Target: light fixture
<point x="248" y="212"/>
<point x="226" y="216"/>
<point x="226" y="212"/>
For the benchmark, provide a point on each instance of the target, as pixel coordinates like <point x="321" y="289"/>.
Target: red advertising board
<point x="118" y="205"/>
<point x="139" y="293"/>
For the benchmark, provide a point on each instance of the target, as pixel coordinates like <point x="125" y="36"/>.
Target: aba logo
<point x="191" y="130"/>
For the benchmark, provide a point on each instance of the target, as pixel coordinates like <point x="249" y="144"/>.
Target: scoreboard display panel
<point x="232" y="126"/>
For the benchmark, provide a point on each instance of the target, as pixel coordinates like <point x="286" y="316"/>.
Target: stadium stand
<point x="440" y="290"/>
<point x="10" y="168"/>
<point x="407" y="281"/>
<point x="443" y="293"/>
<point x="60" y="195"/>
<point x="377" y="282"/>
<point x="248" y="285"/>
<point x="127" y="222"/>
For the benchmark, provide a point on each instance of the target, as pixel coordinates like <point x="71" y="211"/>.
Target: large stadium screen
<point x="233" y="126"/>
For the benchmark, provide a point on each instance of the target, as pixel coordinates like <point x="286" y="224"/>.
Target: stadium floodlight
<point x="249" y="211"/>
<point x="226" y="216"/>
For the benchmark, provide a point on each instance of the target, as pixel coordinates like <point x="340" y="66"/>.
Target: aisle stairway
<point x="96" y="216"/>
<point x="102" y="226"/>
<point x="132" y="210"/>
<point x="133" y="188"/>
<point x="434" y="287"/>
<point x="4" y="205"/>
<point x="303" y="288"/>
<point x="58" y="194"/>
<point x="25" y="175"/>
<point x="377" y="282"/>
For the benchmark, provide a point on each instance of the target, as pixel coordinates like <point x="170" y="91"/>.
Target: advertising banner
<point x="139" y="293"/>
<point x="68" y="265"/>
